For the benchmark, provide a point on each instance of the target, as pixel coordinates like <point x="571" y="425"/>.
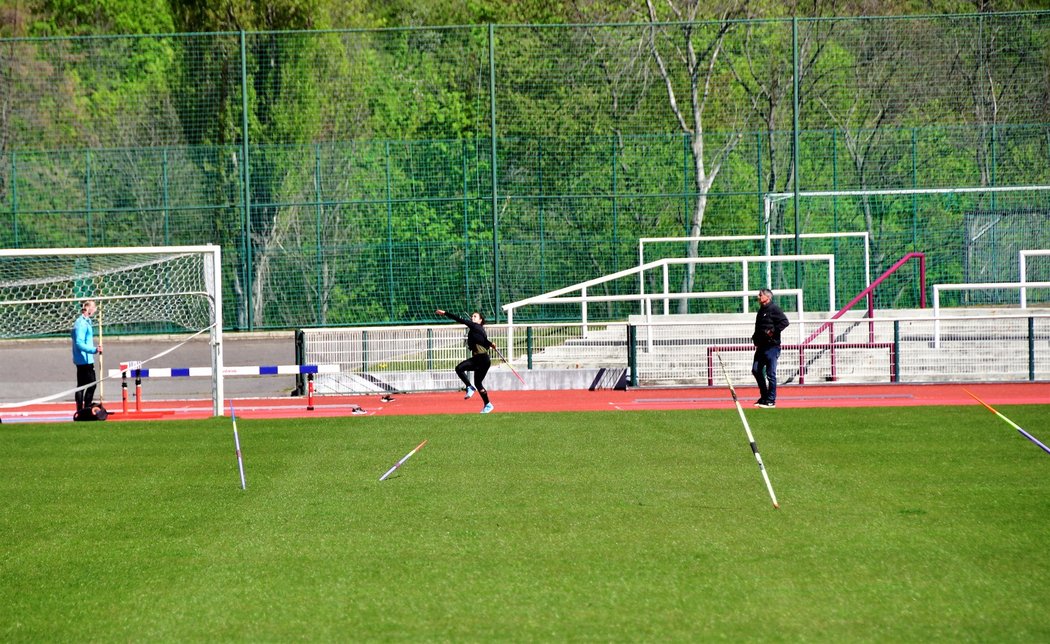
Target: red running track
<point x="452" y="402"/>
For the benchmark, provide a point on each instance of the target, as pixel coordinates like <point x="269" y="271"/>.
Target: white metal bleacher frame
<point x="767" y="238"/>
<point x="1023" y="270"/>
<point x="645" y="299"/>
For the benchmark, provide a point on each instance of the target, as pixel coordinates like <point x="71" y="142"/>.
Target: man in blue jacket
<point x="84" y="351"/>
<point x="769" y="322"/>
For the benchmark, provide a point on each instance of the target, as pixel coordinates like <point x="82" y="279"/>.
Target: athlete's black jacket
<point x="769" y="322"/>
<point x="477" y="339"/>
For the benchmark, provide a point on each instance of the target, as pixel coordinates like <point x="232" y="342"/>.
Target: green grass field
<point x="901" y="524"/>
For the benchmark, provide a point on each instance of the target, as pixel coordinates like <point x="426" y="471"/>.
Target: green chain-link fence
<point x="369" y="177"/>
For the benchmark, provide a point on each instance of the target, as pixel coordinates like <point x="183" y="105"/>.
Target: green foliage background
<point x="356" y="170"/>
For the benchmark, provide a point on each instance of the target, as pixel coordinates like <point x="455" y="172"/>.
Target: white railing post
<point x="769" y="247"/>
<point x="641" y="274"/>
<point x="744" y="287"/>
<point x="936" y="316"/>
<point x="831" y="283"/>
<point x="510" y="335"/>
<point x="648" y="325"/>
<point x="867" y="261"/>
<point x="801" y="317"/>
<point x="583" y="310"/>
<point x="667" y="289"/>
<point x="1024" y="278"/>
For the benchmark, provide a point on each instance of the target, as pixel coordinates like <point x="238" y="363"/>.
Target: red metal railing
<point x="829" y="325"/>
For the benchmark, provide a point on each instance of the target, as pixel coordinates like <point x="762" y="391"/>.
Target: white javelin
<point x="750" y="438"/>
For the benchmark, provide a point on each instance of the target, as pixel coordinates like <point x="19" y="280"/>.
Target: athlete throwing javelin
<point x="479" y="361"/>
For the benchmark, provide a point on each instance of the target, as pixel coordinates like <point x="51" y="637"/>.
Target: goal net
<point x="138" y="290"/>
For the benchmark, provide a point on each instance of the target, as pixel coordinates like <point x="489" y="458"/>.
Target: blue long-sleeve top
<point x="84" y="349"/>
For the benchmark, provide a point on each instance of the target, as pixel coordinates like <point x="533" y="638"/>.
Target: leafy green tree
<point x="279" y="109"/>
<point x="691" y="87"/>
<point x="98" y="17"/>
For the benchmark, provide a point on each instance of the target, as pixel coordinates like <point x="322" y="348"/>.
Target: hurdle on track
<point x="133" y="369"/>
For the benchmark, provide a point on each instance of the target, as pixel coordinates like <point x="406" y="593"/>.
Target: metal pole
<point x="246" y="181"/>
<point x="87" y="192"/>
<point x="466" y="223"/>
<point x="14" y="197"/>
<point x="896" y="375"/>
<point x="494" y="170"/>
<point x="166" y="197"/>
<point x="389" y="236"/>
<point x="795" y="153"/>
<point x="1031" y="348"/>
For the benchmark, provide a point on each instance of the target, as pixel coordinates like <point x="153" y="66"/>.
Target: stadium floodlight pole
<point x="496" y="349"/>
<point x="237" y="444"/>
<point x="750" y="438"/>
<point x="401" y="462"/>
<point x="1009" y="422"/>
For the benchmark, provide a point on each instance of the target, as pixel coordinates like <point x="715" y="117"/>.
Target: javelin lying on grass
<point x="1009" y="422"/>
<point x="399" y="463"/>
<point x="237" y="443"/>
<point x="750" y="438"/>
<point x="496" y="349"/>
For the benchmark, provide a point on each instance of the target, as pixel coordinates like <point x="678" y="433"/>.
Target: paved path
<point x="31" y="369"/>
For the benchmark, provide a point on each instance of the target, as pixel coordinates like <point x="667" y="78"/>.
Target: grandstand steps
<point x="603" y="347"/>
<point x="969" y="351"/>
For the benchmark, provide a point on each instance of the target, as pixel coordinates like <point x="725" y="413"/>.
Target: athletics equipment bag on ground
<point x="95" y="412"/>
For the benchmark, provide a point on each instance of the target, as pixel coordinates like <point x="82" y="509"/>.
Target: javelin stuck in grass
<point x="518" y="375"/>
<point x="237" y="444"/>
<point x="401" y="462"/>
<point x="1009" y="422"/>
<point x="750" y="438"/>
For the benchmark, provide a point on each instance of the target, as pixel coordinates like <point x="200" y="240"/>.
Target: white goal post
<point x="138" y="290"/>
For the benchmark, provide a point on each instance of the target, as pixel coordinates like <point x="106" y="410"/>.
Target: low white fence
<point x="679" y="351"/>
<point x="423" y="358"/>
<point x="971" y="348"/>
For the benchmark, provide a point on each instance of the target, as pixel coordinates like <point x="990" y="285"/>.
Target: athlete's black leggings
<point x="85" y="375"/>
<point x="479" y="364"/>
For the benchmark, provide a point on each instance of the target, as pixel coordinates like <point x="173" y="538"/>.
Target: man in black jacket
<point x="769" y="322"/>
